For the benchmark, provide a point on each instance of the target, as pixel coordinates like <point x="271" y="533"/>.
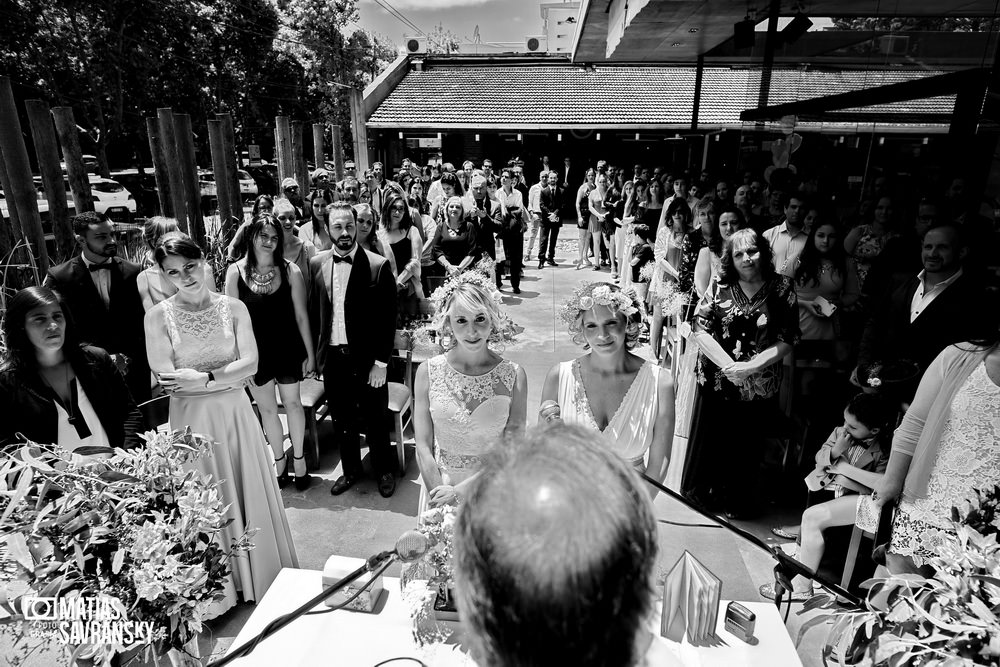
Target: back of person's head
<point x="19" y="351"/>
<point x="84" y="221"/>
<point x="155" y="228"/>
<point x="643" y="232"/>
<point x="555" y="548"/>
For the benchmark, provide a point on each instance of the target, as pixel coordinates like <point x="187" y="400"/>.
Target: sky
<point x="498" y="21"/>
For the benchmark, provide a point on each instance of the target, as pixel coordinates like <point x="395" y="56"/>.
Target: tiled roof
<point x="554" y="96"/>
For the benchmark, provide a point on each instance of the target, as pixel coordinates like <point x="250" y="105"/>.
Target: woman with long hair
<point x="417" y="198"/>
<point x="652" y="208"/>
<point x="449" y="186"/>
<point x="401" y="243"/>
<point x="366" y="228"/>
<point x="152" y="285"/>
<point x="599" y="213"/>
<point x="622" y="254"/>
<point x="470" y="396"/>
<point x="709" y="260"/>
<point x="55" y="390"/>
<point x="824" y="275"/>
<point x="628" y="400"/>
<point x="664" y="286"/>
<point x="314" y="229"/>
<point x="632" y="214"/>
<point x="202" y="348"/>
<point x="583" y="220"/>
<point x="865" y="242"/>
<point x="295" y="250"/>
<point x="274" y="293"/>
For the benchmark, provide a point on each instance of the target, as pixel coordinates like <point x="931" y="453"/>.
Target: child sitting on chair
<point x="850" y="464"/>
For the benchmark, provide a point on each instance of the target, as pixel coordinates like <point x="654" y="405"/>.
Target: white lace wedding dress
<point x="969" y="457"/>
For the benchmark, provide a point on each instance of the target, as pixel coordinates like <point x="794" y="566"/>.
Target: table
<point x="352" y="638"/>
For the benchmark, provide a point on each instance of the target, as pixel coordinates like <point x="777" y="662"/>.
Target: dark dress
<point x="401" y="251"/>
<point x="456" y="247"/>
<point x="280" y="350"/>
<point x="651" y="218"/>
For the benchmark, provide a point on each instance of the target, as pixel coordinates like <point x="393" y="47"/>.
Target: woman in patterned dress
<point x="470" y="397"/>
<point x="865" y="242"/>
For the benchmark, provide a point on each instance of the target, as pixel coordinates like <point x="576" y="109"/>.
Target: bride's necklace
<point x="260" y="283"/>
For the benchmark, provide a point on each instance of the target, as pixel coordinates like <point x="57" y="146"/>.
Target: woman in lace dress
<point x="947" y="445"/>
<point x="202" y="348"/>
<point x="469" y="397"/>
<point x="628" y="400"/>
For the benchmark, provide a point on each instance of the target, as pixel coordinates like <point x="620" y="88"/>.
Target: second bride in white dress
<point x="470" y="397"/>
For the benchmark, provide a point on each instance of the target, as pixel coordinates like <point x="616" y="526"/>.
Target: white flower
<point x="586" y="303"/>
<point x="602" y="294"/>
<point x="762" y="320"/>
<point x="874" y="382"/>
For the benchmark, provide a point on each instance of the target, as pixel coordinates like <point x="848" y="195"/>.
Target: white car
<point x="111" y="199"/>
<point x="248" y="186"/>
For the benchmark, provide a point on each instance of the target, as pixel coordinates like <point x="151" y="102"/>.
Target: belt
<point x="339" y="349"/>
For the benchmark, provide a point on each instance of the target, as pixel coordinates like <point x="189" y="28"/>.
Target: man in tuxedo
<point x="480" y="211"/>
<point x="923" y="315"/>
<point x="566" y="185"/>
<point x="103" y="298"/>
<point x="548" y="202"/>
<point x="353" y="315"/>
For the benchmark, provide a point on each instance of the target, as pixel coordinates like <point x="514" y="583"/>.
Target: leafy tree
<point x="917" y="23"/>
<point x="442" y="40"/>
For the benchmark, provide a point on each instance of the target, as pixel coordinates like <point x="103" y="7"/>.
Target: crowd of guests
<point x="740" y="279"/>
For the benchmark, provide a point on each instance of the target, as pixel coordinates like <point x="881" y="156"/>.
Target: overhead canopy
<point x="681" y="30"/>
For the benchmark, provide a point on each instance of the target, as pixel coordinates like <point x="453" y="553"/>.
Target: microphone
<point x="411" y="545"/>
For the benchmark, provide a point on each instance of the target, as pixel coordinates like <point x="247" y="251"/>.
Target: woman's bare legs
<point x="267" y="405"/>
<point x="597" y="236"/>
<point x="292" y="401"/>
<point x="584" y="239"/>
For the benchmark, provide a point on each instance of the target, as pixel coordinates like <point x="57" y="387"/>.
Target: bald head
<point x="554" y="552"/>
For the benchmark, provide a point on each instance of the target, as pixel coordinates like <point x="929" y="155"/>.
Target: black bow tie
<point x="337" y="259"/>
<point x="100" y="267"/>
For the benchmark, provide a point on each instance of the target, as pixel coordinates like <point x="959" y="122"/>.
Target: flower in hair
<point x="588" y="295"/>
<point x="504" y="329"/>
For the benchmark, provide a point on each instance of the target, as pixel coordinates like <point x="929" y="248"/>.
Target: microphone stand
<point x="787" y="566"/>
<point x="376" y="562"/>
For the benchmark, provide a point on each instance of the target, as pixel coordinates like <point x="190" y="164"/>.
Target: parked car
<point x="266" y="177"/>
<point x="248" y="187"/>
<point x="112" y="199"/>
<point x="142" y="187"/>
<point x="89" y="163"/>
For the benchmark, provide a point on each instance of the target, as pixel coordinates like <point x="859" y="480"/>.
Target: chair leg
<point x="852" y="557"/>
<point x="400" y="451"/>
<point x="312" y="451"/>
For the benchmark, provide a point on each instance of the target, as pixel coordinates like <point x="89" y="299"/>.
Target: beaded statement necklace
<point x="261" y="283"/>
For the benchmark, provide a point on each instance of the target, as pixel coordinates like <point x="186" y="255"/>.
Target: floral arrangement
<point x="874" y="381"/>
<point x="950" y="619"/>
<point x="588" y="295"/>
<point x="133" y="528"/>
<point x="428" y="583"/>
<point x="504" y="330"/>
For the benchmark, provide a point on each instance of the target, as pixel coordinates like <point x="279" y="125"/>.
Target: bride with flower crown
<point x="470" y="396"/>
<point x="627" y="399"/>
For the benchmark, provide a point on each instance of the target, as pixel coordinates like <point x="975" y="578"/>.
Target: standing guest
<point x="353" y="311"/>
<point x="379" y="188"/>
<point x="366" y="231"/>
<point x="610" y="390"/>
<point x="152" y="284"/>
<point x="434" y="185"/>
<point x="417" y="199"/>
<point x="583" y="217"/>
<point x="470" y="378"/>
<point x="653" y="207"/>
<point x="448" y="185"/>
<point x="709" y="260"/>
<point x="682" y="191"/>
<point x="620" y="232"/>
<point x="296" y="250"/>
<point x="455" y="247"/>
<point x="350" y="172"/>
<point x="672" y="248"/>
<point x="641" y="261"/>
<point x="351" y="192"/>
<point x="566" y="178"/>
<point x="314" y="230"/>
<point x="290" y="192"/>
<point x="947" y="445"/>
<point x="102" y="294"/>
<point x="488" y="169"/>
<point x="900" y="258"/>
<point x="465" y="176"/>
<point x="742" y="201"/>
<point x="274" y="293"/>
<point x="865" y="242"/>
<point x="535" y="211"/>
<point x="630" y="218"/>
<point x="548" y="202"/>
<point x="202" y="348"/>
<point x="599" y="214"/>
<point x="751" y="313"/>
<point x="480" y="209"/>
<point x="512" y="222"/>
<point x="788" y="238"/>
<point x="823" y="272"/>
<point x="401" y="243"/>
<point x="558" y="496"/>
<point x="262" y="204"/>
<point x="722" y="194"/>
<point x="519" y="183"/>
<point x="55" y="390"/>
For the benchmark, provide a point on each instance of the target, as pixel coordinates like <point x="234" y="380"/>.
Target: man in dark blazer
<point x="549" y="202"/>
<point x="353" y="315"/>
<point x="926" y="313"/>
<point x="103" y="298"/>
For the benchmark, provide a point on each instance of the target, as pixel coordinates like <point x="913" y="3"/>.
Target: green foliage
<point x="916" y="23"/>
<point x="442" y="40"/>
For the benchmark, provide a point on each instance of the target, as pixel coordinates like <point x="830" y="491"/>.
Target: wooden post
<point x="76" y="173"/>
<point x="319" y="155"/>
<point x="359" y="131"/>
<point x="159" y="168"/>
<point x="165" y="119"/>
<point x="222" y="180"/>
<point x="43" y="135"/>
<point x="229" y="151"/>
<point x="10" y="235"/>
<point x="299" y="158"/>
<point x="21" y="192"/>
<point x="338" y="152"/>
<point x="184" y="136"/>
<point x="283" y="146"/>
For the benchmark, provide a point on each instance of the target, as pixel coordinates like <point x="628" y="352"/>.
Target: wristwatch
<point x="210" y="382"/>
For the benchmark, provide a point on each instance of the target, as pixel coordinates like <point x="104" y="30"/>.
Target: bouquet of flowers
<point x="950" y="619"/>
<point x="128" y="535"/>
<point x="428" y="583"/>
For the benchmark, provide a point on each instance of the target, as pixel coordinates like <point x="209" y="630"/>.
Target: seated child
<point x="850" y="464"/>
<point x="642" y="260"/>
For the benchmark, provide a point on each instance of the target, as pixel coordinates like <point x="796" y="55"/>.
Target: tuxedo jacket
<point x="369" y="307"/>
<point x="118" y="327"/>
<point x="548" y="202"/>
<point x="956" y="315"/>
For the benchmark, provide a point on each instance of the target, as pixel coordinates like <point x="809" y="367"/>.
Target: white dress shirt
<point x="102" y="279"/>
<point x="923" y="296"/>
<point x="511" y="200"/>
<point x="340" y="273"/>
<point x="785" y="248"/>
<point x="535" y="198"/>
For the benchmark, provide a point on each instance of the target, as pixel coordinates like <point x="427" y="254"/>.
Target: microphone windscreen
<point x="411" y="546"/>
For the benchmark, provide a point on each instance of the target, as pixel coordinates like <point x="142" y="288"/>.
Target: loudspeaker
<point x="743" y="34"/>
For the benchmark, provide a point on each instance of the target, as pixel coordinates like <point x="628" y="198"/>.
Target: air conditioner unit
<point x="534" y="43"/>
<point x="894" y="45"/>
<point x="416" y="44"/>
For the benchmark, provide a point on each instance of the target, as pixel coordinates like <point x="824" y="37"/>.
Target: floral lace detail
<point x="468" y="391"/>
<point x="203" y="340"/>
<point x="969" y="457"/>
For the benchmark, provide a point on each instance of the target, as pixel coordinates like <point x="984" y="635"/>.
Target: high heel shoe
<point x="283" y="476"/>
<point x="302" y="483"/>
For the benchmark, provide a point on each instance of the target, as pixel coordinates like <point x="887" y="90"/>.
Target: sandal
<point x="302" y="483"/>
<point x="767" y="591"/>
<point x="283" y="476"/>
<point x="784" y="534"/>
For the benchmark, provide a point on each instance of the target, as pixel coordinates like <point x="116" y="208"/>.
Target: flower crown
<point x="588" y="295"/>
<point x="504" y="329"/>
